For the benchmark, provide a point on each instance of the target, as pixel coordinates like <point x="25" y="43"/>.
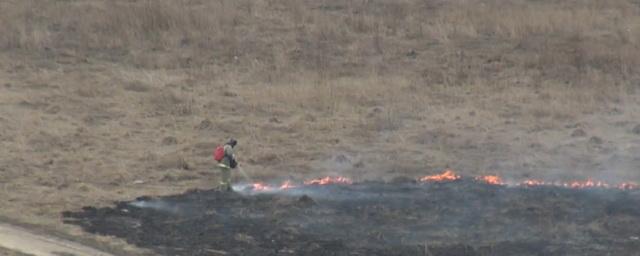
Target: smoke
<point x="338" y="192"/>
<point x="373" y="215"/>
<point x="622" y="164"/>
<point x="156" y="205"/>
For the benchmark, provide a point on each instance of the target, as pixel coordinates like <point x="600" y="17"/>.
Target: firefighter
<point x="226" y="163"/>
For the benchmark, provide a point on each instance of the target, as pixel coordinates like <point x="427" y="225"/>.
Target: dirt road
<point x="25" y="241"/>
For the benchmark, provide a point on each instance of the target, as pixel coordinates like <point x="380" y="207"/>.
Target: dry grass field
<point x="110" y="100"/>
<point x="7" y="252"/>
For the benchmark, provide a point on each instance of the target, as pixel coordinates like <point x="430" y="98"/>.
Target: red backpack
<point x="218" y="153"/>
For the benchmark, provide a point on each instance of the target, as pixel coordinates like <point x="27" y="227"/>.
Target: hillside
<point x="110" y="100"/>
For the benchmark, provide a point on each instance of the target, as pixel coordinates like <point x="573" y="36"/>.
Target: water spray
<point x="244" y="174"/>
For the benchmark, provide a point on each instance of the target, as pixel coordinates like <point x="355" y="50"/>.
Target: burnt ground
<point x="374" y="218"/>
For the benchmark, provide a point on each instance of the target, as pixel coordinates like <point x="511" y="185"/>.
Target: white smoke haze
<point x="156" y="205"/>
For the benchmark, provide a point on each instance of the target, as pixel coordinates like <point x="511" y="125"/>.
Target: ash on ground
<point x="453" y="218"/>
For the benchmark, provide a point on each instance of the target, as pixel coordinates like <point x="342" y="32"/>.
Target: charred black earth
<point x="373" y="218"/>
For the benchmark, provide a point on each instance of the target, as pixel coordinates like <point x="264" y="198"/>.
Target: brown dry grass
<point x="97" y="94"/>
<point x="7" y="252"/>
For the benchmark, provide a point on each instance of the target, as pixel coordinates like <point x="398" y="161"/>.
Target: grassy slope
<point x="97" y="94"/>
<point x="7" y="252"/>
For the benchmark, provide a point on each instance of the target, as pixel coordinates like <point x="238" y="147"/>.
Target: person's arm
<point x="230" y="157"/>
<point x="228" y="151"/>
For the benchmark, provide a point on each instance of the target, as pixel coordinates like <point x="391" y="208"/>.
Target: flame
<point x="287" y="185"/>
<point x="628" y="186"/>
<point x="450" y="175"/>
<point x="262" y="187"/>
<point x="329" y="180"/>
<point x="447" y="175"/>
<point x="531" y="183"/>
<point x="265" y="187"/>
<point x="491" y="179"/>
<point x="589" y="183"/>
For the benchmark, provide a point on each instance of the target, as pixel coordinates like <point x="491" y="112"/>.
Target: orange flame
<point x="329" y="180"/>
<point x="589" y="183"/>
<point x="532" y="183"/>
<point x="450" y="175"/>
<point x="447" y="175"/>
<point x="262" y="187"/>
<point x="491" y="179"/>
<point x="287" y="185"/>
<point x="628" y="186"/>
